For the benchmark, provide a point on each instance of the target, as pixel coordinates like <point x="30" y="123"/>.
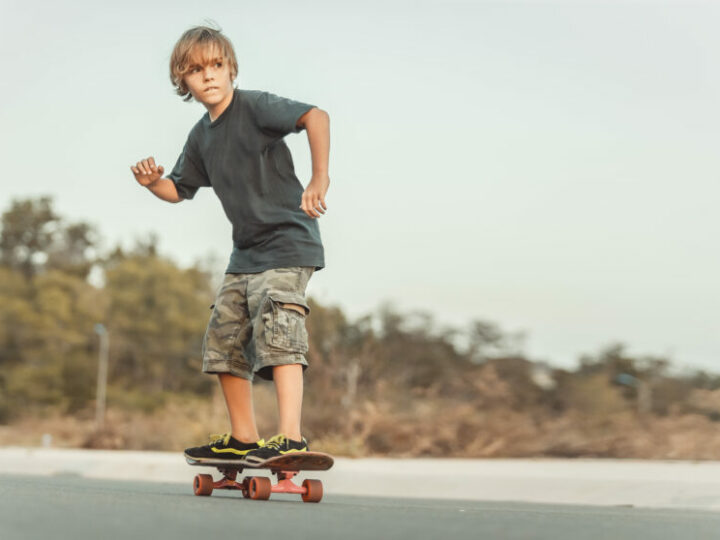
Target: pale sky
<point x="551" y="167"/>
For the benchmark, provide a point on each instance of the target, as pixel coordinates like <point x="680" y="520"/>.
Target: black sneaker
<point x="278" y="445"/>
<point x="222" y="448"/>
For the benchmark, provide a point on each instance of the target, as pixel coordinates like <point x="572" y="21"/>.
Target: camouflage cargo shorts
<point x="251" y="327"/>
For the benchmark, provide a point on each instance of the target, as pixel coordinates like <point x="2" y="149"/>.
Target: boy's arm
<point x="150" y="176"/>
<point x="317" y="124"/>
<point x="164" y="188"/>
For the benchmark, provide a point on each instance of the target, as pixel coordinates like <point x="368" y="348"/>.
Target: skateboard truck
<point x="285" y="467"/>
<point x="259" y="487"/>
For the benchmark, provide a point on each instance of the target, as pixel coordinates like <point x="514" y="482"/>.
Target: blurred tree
<point x="517" y="373"/>
<point x="387" y="381"/>
<point x="485" y="340"/>
<point x="157" y="314"/>
<point x="611" y="360"/>
<point x="34" y="238"/>
<point x="704" y="380"/>
<point x="28" y="229"/>
<point x="48" y="353"/>
<point x="73" y="249"/>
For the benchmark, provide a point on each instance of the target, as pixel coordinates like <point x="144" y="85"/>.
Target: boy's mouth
<point x="211" y="88"/>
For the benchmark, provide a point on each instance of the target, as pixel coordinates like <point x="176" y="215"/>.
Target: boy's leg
<point x="276" y="299"/>
<point x="289" y="387"/>
<point x="239" y="400"/>
<point x="228" y="331"/>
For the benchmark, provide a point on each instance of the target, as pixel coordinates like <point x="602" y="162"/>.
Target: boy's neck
<point x="216" y="109"/>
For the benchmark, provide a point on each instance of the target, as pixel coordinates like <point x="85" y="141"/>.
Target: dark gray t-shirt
<point x="243" y="157"/>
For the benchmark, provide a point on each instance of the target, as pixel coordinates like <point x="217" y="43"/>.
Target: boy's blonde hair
<point x="198" y="39"/>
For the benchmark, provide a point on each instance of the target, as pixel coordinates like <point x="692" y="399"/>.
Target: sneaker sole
<point x="188" y="457"/>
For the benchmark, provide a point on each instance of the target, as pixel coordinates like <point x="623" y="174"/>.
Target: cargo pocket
<point x="284" y="327"/>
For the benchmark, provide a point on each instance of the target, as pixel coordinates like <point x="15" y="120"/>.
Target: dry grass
<point x="433" y="428"/>
<point x="507" y="433"/>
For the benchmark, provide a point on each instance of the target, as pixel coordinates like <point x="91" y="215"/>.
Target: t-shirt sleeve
<point x="277" y="115"/>
<point x="188" y="174"/>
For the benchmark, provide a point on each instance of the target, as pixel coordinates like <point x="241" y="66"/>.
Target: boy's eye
<point x="218" y="64"/>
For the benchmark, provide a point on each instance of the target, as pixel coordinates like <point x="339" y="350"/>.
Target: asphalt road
<point x="71" y="507"/>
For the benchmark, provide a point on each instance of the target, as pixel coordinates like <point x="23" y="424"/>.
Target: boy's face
<point x="209" y="78"/>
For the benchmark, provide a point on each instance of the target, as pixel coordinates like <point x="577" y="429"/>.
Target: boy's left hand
<point x="313" y="199"/>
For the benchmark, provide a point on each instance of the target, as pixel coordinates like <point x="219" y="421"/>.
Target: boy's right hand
<point x="146" y="172"/>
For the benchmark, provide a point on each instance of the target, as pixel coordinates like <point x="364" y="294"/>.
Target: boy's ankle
<point x="293" y="435"/>
<point x="245" y="440"/>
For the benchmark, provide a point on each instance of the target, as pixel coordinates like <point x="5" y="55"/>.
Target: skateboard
<point x="260" y="487"/>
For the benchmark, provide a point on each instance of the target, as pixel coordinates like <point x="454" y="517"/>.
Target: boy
<point x="257" y="324"/>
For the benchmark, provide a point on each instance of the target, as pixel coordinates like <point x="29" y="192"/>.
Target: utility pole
<point x="102" y="332"/>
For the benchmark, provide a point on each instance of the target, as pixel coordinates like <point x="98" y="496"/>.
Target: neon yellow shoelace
<point x="224" y="438"/>
<point x="276" y="442"/>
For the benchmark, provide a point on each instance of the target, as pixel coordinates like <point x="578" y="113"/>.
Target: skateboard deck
<point x="260" y="487"/>
<point x="296" y="461"/>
